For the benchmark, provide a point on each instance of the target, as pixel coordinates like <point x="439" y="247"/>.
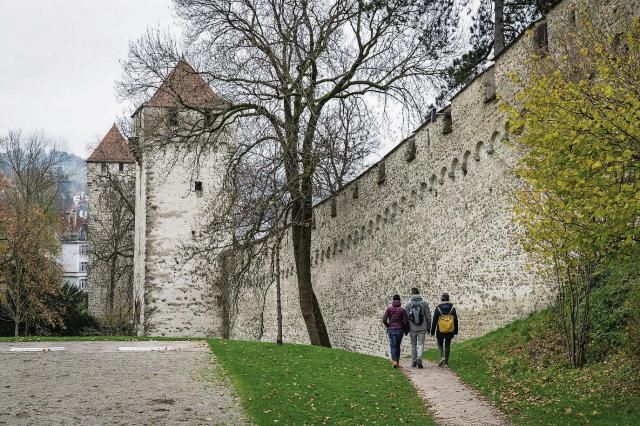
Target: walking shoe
<point x="395" y="364"/>
<point x="442" y="362"/>
<point x="414" y="364"/>
<point x="420" y="363"/>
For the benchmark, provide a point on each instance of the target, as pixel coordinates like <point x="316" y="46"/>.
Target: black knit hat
<point x="396" y="297"/>
<point x="415" y="290"/>
<point x="445" y="297"/>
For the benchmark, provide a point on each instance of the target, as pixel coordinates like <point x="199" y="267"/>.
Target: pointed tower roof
<point x="185" y="86"/>
<point x="112" y="148"/>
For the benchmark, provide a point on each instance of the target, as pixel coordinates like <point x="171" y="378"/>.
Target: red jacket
<point x="395" y="317"/>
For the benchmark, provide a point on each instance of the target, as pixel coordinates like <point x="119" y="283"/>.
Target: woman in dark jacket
<point x="444" y="338"/>
<point x="396" y="320"/>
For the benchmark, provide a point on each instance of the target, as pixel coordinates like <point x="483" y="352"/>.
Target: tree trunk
<point x="311" y="311"/>
<point x="498" y="40"/>
<point x="278" y="294"/>
<point x="112" y="285"/>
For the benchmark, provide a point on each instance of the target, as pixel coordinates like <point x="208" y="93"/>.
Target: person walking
<point x="444" y="326"/>
<point x="396" y="321"/>
<point x="419" y="325"/>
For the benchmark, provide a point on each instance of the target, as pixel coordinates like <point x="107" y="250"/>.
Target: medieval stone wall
<point x="439" y="220"/>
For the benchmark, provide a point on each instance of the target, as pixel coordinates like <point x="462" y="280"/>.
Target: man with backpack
<point x="419" y="324"/>
<point x="444" y="326"/>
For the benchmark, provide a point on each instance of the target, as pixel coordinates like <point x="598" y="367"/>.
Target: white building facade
<point x="74" y="257"/>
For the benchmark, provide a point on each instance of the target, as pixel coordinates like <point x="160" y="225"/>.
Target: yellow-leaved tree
<point x="577" y="121"/>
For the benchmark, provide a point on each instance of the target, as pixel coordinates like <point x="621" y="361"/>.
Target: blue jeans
<point x="395" y="338"/>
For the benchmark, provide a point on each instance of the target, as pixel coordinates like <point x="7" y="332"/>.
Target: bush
<point x="632" y="308"/>
<point x="615" y="310"/>
<point x="72" y="305"/>
<point x="608" y="319"/>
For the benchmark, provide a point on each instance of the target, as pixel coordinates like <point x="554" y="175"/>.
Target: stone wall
<point x="435" y="213"/>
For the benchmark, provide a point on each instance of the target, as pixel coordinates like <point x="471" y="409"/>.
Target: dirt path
<point x="453" y="403"/>
<point x="114" y="383"/>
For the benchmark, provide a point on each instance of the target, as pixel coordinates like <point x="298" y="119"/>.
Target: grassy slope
<point x="298" y="384"/>
<point x="516" y="367"/>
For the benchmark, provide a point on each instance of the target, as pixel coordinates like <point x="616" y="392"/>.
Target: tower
<point x="111" y="182"/>
<point x="176" y="178"/>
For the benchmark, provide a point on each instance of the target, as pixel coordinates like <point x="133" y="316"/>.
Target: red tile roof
<point x="185" y="86"/>
<point x="66" y="229"/>
<point x="113" y="148"/>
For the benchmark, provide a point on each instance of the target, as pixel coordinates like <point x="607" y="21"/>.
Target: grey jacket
<point x="426" y="323"/>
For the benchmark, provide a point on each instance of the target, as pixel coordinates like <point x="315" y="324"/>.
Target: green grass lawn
<point x="302" y="384"/>
<point x="530" y="381"/>
<point x="93" y="338"/>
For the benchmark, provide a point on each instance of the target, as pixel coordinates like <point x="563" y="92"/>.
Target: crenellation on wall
<point x="434" y="213"/>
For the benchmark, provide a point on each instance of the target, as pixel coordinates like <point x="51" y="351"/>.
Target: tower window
<point x="121" y="167"/>
<point x="172" y="117"/>
<point x="197" y="186"/>
<point x="103" y="167"/>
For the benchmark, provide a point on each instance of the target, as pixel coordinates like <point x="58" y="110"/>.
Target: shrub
<point x="632" y="308"/>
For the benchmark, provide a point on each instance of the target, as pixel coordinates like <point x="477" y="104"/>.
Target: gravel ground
<point x="88" y="387"/>
<point x="449" y="400"/>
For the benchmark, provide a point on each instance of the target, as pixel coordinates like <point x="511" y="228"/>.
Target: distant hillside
<point x="74" y="170"/>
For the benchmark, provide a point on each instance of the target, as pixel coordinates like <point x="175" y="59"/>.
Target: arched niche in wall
<point x="478" y="151"/>
<point x="454" y="168"/>
<point x="465" y="162"/>
<point x="443" y="173"/>
<point x="432" y="182"/>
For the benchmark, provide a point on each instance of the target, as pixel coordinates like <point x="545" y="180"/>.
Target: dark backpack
<point x="416" y="315"/>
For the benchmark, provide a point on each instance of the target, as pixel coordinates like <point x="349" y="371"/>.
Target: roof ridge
<point x="112" y="148"/>
<point x="185" y="86"/>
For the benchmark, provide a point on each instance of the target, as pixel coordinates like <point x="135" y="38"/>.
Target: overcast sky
<point x="59" y="60"/>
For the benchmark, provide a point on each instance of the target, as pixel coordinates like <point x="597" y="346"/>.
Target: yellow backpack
<point x="446" y="323"/>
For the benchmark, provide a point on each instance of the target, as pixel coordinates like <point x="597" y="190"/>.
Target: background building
<point x="111" y="180"/>
<point x="74" y="256"/>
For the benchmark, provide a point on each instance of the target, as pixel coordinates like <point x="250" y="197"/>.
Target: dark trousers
<point x="444" y="352"/>
<point x="395" y="338"/>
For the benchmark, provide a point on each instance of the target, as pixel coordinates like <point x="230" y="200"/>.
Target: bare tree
<point x="32" y="161"/>
<point x="347" y="137"/>
<point x="285" y="67"/>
